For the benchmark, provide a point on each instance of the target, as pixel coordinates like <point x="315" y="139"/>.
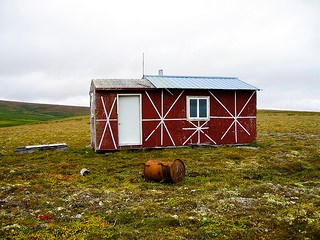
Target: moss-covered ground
<point x="269" y="189"/>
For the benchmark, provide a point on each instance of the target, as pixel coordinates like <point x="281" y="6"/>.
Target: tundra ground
<point x="269" y="189"/>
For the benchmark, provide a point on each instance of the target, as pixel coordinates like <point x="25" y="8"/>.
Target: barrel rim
<point x="173" y="167"/>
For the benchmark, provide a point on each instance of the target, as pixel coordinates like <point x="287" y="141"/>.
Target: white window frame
<point x="198" y="98"/>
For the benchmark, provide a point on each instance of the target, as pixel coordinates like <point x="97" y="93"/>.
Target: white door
<point x="129" y="120"/>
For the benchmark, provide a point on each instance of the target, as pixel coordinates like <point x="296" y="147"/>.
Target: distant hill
<point x="19" y="113"/>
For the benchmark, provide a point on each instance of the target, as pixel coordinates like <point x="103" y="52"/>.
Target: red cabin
<point x="170" y="111"/>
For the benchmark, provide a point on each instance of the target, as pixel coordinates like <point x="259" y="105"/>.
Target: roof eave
<point x="124" y="89"/>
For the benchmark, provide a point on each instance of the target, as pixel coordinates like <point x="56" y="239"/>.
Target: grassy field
<point x="20" y="113"/>
<point x="269" y="189"/>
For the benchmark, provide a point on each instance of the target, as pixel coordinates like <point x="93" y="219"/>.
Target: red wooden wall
<point x="165" y="123"/>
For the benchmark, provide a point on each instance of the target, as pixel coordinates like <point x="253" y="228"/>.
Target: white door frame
<point x="140" y="117"/>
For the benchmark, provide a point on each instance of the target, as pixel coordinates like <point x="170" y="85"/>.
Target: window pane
<point x="193" y="108"/>
<point x="203" y="108"/>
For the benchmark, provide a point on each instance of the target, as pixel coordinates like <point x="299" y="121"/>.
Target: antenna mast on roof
<point x="142" y="64"/>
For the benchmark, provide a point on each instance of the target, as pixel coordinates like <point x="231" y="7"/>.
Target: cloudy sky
<point x="51" y="49"/>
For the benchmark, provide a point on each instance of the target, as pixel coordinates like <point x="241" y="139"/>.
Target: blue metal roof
<point x="189" y="82"/>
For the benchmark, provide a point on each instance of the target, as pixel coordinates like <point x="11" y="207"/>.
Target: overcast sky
<point x="50" y="49"/>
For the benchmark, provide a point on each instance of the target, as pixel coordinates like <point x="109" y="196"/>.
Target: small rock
<point x="78" y="216"/>
<point x="44" y="225"/>
<point x="59" y="208"/>
<point x="84" y="172"/>
<point x="193" y="174"/>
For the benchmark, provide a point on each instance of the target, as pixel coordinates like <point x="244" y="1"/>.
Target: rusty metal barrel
<point x="164" y="171"/>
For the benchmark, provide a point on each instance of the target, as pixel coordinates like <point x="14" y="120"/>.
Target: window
<point x="198" y="107"/>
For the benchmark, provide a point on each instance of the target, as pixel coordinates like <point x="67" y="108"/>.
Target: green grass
<point x="269" y="189"/>
<point x="17" y="113"/>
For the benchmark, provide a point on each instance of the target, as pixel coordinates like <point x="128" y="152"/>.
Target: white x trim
<point x="107" y="120"/>
<point x="162" y="118"/>
<point x="234" y="116"/>
<point x="198" y="129"/>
